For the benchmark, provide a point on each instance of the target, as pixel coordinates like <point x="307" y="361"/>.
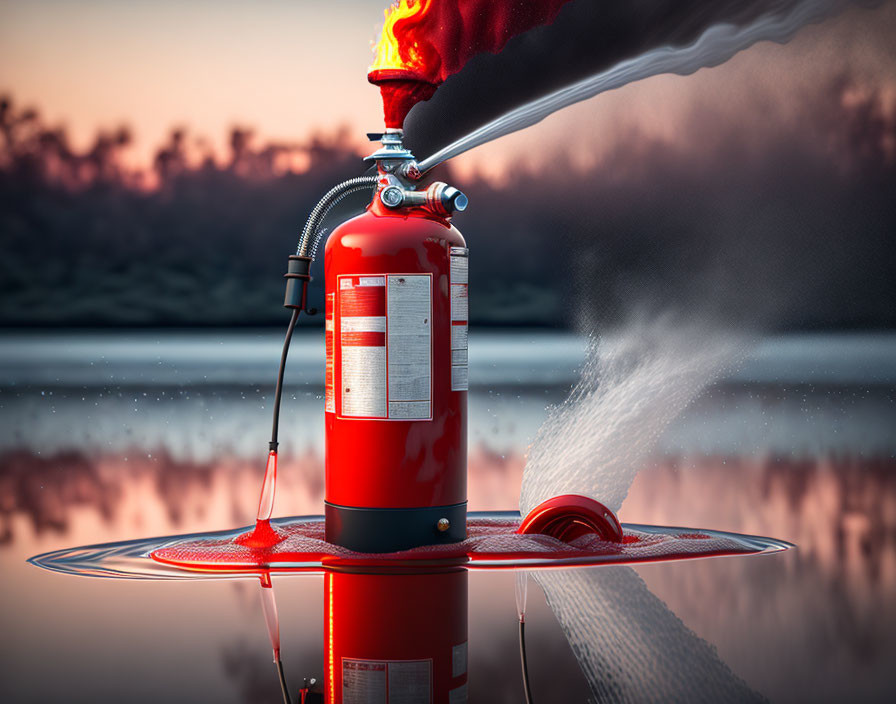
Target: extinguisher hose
<point x="283" y="688"/>
<point x="308" y="242"/>
<point x="525" y="665"/>
<point x="311" y="233"/>
<point x="278" y="394"/>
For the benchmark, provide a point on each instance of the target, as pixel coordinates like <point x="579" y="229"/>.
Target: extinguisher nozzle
<point x="454" y="200"/>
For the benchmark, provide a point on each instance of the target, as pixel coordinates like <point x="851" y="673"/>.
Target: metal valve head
<point x="392" y="196"/>
<point x="440" y="198"/>
<point x="392" y="149"/>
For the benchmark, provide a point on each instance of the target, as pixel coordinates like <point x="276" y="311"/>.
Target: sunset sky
<point x="286" y="67"/>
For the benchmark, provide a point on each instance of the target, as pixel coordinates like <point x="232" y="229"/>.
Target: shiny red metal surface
<point x="571" y="516"/>
<point x="379" y="462"/>
<point x="392" y="637"/>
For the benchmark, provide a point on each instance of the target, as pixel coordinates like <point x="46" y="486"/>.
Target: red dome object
<point x="571" y="516"/>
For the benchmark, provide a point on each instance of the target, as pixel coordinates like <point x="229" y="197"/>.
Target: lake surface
<point x="114" y="436"/>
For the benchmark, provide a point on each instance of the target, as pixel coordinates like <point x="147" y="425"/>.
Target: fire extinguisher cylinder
<point x="396" y="373"/>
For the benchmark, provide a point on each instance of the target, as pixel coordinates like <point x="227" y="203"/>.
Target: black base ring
<point x="392" y="529"/>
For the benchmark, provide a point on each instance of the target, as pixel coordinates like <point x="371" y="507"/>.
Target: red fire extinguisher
<point x="393" y="637"/>
<point x="396" y="372"/>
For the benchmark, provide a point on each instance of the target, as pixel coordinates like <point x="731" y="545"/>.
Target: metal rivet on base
<point x="443" y="524"/>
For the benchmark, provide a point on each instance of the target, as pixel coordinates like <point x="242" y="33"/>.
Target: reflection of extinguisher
<point x="396" y="375"/>
<point x="395" y="637"/>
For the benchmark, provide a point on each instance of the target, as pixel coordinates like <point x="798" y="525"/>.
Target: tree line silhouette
<point x="777" y="224"/>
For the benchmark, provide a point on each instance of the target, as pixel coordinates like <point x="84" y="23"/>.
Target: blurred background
<point x="157" y="161"/>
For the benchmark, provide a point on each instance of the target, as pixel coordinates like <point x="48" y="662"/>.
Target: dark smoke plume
<point x="586" y="38"/>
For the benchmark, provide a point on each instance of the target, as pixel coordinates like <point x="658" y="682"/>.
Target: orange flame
<point x="425" y="41"/>
<point x="410" y="53"/>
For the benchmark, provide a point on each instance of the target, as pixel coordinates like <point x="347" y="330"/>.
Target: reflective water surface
<point x="799" y="446"/>
<point x="492" y="543"/>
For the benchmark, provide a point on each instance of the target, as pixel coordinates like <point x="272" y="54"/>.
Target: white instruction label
<point x="410" y="682"/>
<point x="409" y="340"/>
<point x="459" y="660"/>
<point x="460" y="317"/>
<point x="329" y="395"/>
<point x="385" y="333"/>
<point x="364" y="381"/>
<point x="460" y="308"/>
<point x="458" y="695"/>
<point x="386" y="682"/>
<point x="363" y="682"/>
<point x="459" y="265"/>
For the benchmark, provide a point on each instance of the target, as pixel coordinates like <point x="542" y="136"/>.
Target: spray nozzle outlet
<point x="440" y="198"/>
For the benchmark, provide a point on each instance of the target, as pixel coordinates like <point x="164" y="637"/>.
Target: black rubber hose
<point x="318" y="232"/>
<point x="283" y="687"/>
<point x="523" y="662"/>
<point x="308" y="243"/>
<point x="278" y="394"/>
